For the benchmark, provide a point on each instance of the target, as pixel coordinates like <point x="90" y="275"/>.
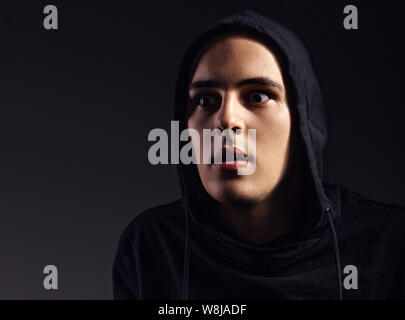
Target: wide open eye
<point x="258" y="97"/>
<point x="205" y="100"/>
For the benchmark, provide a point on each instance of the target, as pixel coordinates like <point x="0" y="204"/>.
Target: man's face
<point x="238" y="84"/>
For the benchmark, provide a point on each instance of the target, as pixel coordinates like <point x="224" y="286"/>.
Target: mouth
<point x="238" y="159"/>
<point x="231" y="166"/>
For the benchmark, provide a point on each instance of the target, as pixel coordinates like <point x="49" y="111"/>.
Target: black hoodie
<point x="182" y="251"/>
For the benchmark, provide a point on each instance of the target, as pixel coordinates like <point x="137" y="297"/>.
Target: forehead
<point x="234" y="57"/>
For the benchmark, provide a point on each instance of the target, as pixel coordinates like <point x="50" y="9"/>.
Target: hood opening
<point x="309" y="125"/>
<point x="273" y="35"/>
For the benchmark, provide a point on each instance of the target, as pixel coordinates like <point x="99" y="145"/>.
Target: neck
<point x="288" y="208"/>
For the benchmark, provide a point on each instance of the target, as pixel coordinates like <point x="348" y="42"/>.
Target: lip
<point x="230" y="165"/>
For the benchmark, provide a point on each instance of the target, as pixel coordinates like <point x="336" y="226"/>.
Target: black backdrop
<point x="78" y="103"/>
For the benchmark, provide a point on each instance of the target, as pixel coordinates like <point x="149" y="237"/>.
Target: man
<point x="279" y="233"/>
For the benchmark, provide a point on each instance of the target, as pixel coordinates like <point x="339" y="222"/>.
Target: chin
<point x="235" y="194"/>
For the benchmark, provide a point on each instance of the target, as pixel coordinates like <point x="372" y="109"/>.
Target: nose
<point x="229" y="114"/>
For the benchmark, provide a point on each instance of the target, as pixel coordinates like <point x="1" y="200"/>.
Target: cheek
<point x="279" y="130"/>
<point x="196" y="121"/>
<point x="277" y="123"/>
<point x="197" y="142"/>
<point x="273" y="137"/>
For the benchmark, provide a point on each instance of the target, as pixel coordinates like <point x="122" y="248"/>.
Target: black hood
<point x="310" y="110"/>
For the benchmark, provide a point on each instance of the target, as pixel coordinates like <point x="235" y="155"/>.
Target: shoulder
<point x="359" y="201"/>
<point x="161" y="218"/>
<point x="372" y="213"/>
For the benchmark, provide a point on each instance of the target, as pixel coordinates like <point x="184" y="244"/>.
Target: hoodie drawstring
<point x="336" y="251"/>
<point x="186" y="267"/>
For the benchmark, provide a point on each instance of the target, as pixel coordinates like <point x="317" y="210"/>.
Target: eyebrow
<point x="247" y="82"/>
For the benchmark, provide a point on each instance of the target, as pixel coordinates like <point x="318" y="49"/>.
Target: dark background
<point x="78" y="103"/>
